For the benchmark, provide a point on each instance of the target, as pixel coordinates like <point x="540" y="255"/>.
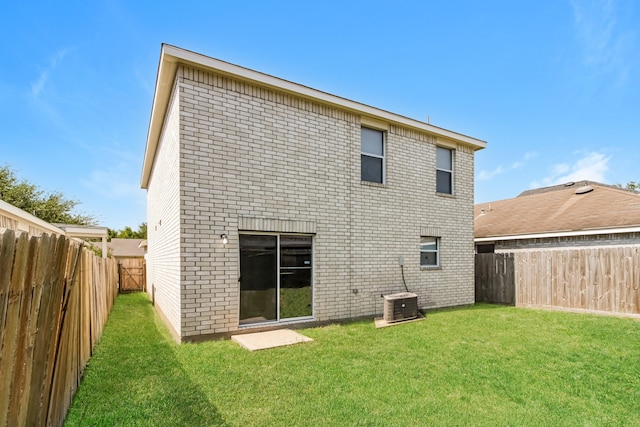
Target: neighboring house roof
<point x="171" y="57"/>
<point x="84" y="231"/>
<point x="17" y="219"/>
<point x="126" y="248"/>
<point x="580" y="208"/>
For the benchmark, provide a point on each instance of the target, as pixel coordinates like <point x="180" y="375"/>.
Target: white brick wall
<point x="252" y="157"/>
<point x="163" y="226"/>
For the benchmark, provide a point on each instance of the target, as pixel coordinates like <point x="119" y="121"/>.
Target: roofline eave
<point x="171" y="56"/>
<point x="589" y="232"/>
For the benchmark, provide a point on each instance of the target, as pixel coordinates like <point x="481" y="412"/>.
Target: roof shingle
<point x="559" y="209"/>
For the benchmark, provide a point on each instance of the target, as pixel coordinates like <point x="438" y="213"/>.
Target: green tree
<point x="631" y="185"/>
<point x="129" y="233"/>
<point x="51" y="207"/>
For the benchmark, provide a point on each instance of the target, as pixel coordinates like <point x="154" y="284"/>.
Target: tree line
<point x="53" y="207"/>
<point x="631" y="185"/>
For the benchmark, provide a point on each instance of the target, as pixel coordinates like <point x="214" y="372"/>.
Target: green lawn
<point x="487" y="365"/>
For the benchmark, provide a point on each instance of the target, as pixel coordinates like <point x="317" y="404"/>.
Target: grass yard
<point x="486" y="365"/>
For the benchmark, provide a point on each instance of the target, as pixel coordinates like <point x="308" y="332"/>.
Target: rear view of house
<point x="271" y="203"/>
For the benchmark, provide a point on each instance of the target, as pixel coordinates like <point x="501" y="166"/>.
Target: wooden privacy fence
<point x="594" y="279"/>
<point x="132" y="275"/>
<point x="55" y="297"/>
<point x="598" y="279"/>
<point x="495" y="278"/>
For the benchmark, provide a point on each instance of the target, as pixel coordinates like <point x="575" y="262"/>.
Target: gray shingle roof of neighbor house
<point x="126" y="248"/>
<point x="171" y="57"/>
<point x="579" y="208"/>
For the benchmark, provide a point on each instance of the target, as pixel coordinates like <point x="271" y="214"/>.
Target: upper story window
<point x="372" y="155"/>
<point x="444" y="170"/>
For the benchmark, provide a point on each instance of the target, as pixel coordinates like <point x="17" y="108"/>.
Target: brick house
<point x="271" y="203"/>
<point x="571" y="215"/>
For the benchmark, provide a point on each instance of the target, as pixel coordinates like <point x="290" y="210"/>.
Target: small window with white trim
<point x="444" y="170"/>
<point x="429" y="251"/>
<point x="372" y="155"/>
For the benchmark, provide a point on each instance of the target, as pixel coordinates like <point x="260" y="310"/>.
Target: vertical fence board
<point x="495" y="278"/>
<point x="636" y="281"/>
<point x="43" y="260"/>
<point x="52" y="325"/>
<point x="44" y="324"/>
<point x="87" y="297"/>
<point x="24" y="284"/>
<point x="65" y="355"/>
<point x="13" y="319"/>
<point x="7" y="249"/>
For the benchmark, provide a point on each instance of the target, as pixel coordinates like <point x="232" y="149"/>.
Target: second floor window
<point x="444" y="170"/>
<point x="372" y="155"/>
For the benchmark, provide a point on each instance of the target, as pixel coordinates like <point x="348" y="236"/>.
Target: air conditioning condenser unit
<point x="400" y="306"/>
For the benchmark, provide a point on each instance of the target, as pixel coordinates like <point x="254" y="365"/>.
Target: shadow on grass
<point x="135" y="378"/>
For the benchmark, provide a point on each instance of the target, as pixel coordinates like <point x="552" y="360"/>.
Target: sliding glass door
<point x="295" y="276"/>
<point x="275" y="278"/>
<point x="258" y="278"/>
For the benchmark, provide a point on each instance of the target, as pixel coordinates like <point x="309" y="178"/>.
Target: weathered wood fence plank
<point x="132" y="274"/>
<point x="495" y="278"/>
<point x="596" y="279"/>
<point x="47" y="323"/>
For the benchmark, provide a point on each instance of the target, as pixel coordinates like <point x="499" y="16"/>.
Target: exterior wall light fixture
<point x="224" y="239"/>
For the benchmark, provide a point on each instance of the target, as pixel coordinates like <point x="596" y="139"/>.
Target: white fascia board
<point x="592" y="232"/>
<point x="72" y="231"/>
<point x="171" y="56"/>
<point x="164" y="85"/>
<point x="241" y="73"/>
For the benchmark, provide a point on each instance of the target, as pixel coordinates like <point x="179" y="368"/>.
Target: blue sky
<point x="553" y="86"/>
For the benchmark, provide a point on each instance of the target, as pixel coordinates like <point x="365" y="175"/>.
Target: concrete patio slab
<point x="269" y="339"/>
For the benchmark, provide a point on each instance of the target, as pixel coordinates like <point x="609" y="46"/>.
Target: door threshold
<point x="278" y="323"/>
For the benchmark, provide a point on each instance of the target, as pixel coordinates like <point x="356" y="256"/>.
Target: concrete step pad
<point x="269" y="339"/>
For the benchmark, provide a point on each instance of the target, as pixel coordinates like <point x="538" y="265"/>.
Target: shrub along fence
<point x="603" y="278"/>
<point x="55" y="297"/>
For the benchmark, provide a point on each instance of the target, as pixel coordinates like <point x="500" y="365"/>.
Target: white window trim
<point x="453" y="163"/>
<point x="436" y="251"/>
<point x="377" y="156"/>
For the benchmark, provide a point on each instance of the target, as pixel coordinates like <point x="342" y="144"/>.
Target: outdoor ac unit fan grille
<point x="400" y="306"/>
